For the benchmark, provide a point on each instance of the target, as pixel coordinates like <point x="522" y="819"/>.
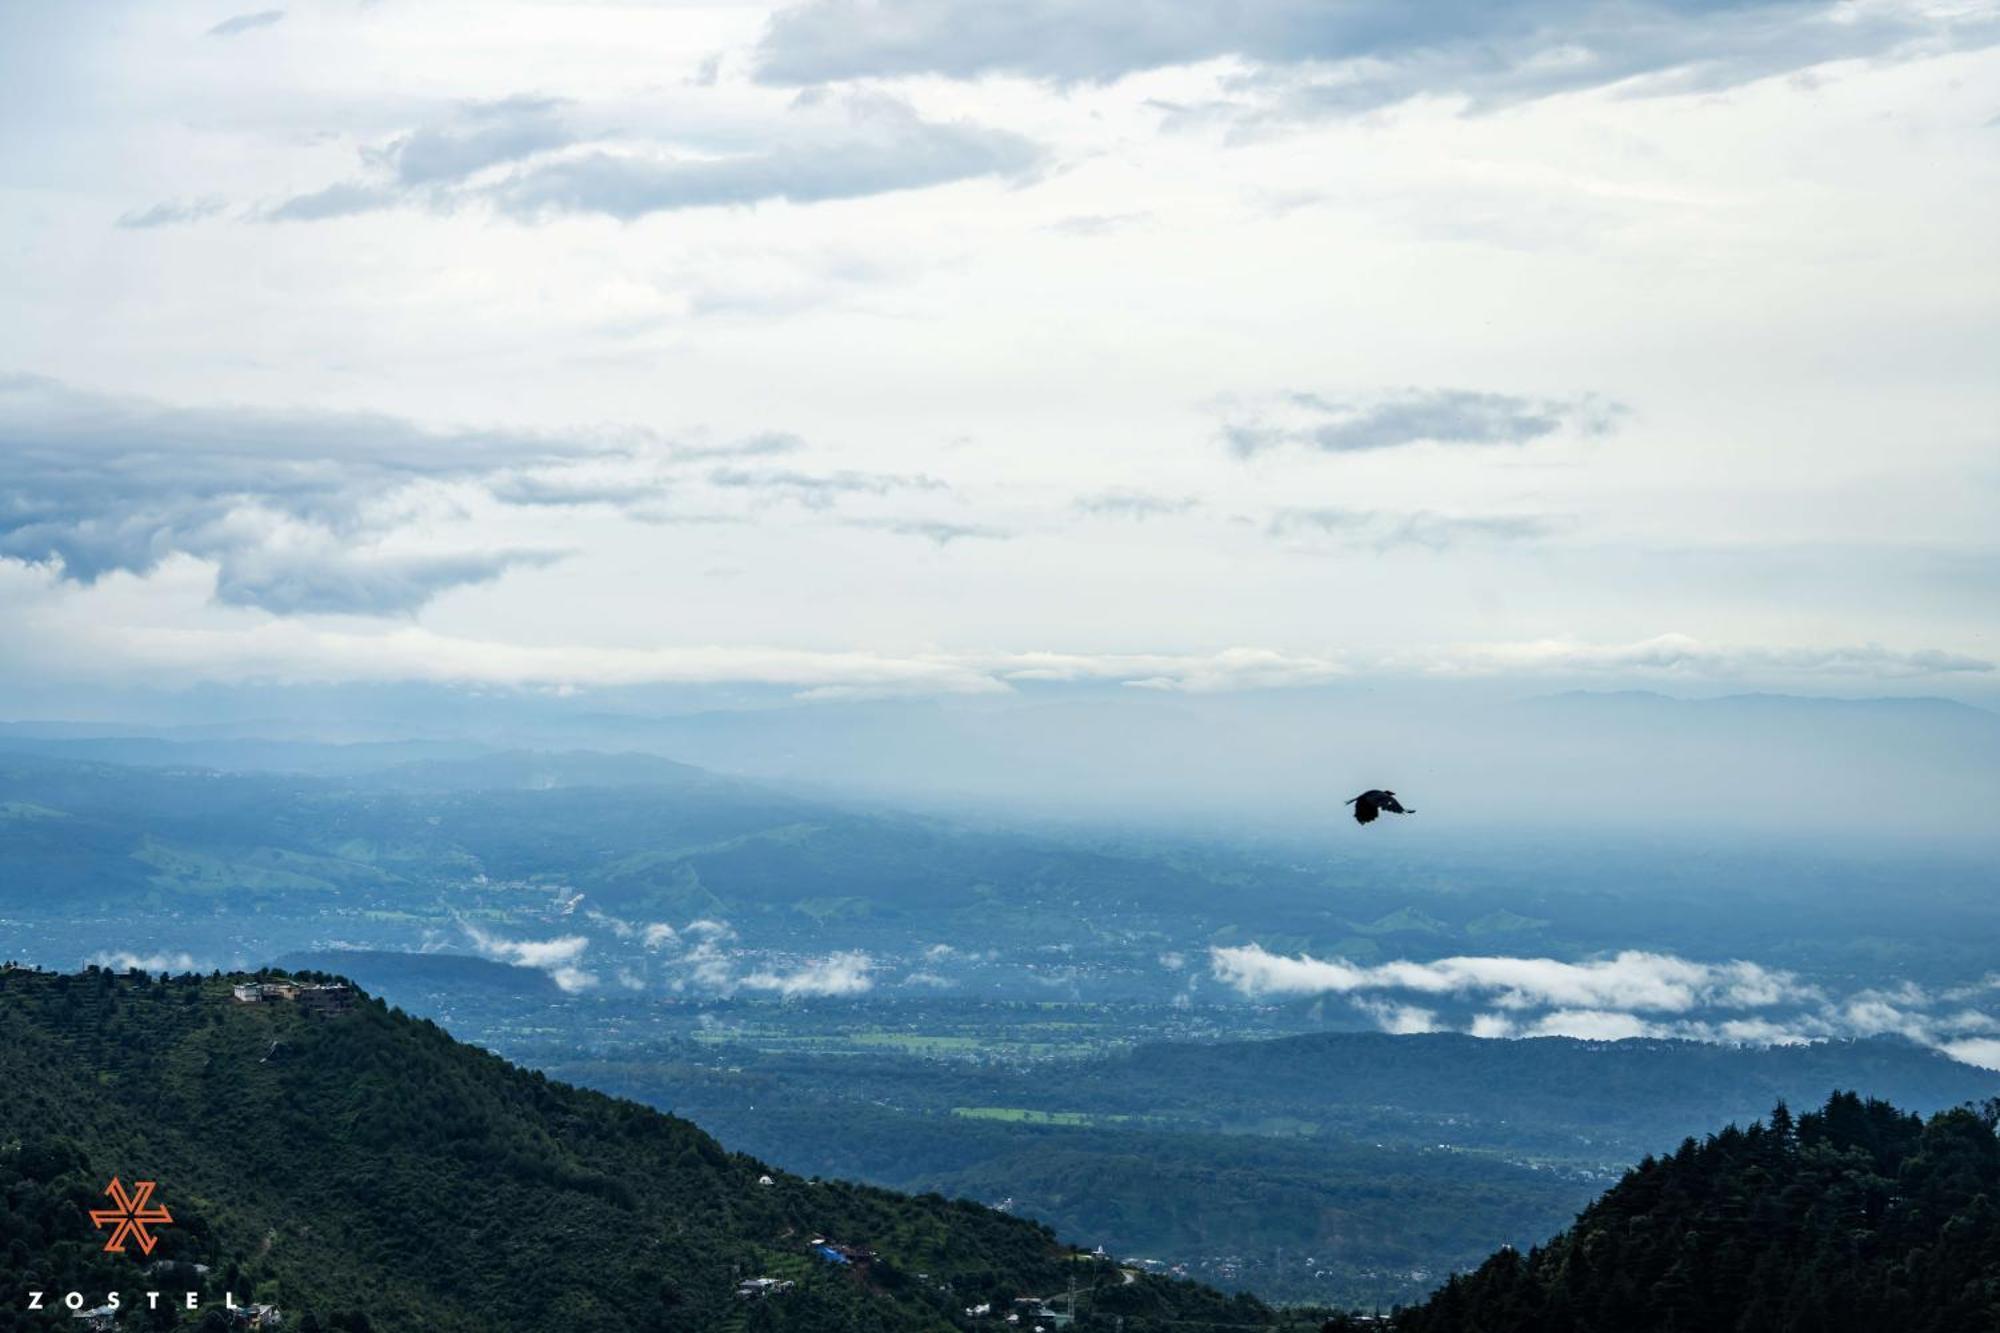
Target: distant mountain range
<point x="1273" y="761"/>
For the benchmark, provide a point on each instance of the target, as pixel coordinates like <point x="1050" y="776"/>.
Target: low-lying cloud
<point x="1632" y="980"/>
<point x="124" y="960"/>
<point x="1632" y="994"/>
<point x="1685" y="655"/>
<point x="559" y="957"/>
<point x="842" y="974"/>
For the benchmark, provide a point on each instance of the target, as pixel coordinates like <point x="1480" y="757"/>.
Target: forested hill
<point x="1858" y="1218"/>
<point x="363" y="1170"/>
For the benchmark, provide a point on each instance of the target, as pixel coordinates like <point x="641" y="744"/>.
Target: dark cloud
<point x="819" y="490"/>
<point x="1416" y="416"/>
<point x="882" y="147"/>
<point x="359" y="583"/>
<point x="1384" y="529"/>
<point x="242" y="23"/>
<point x="826" y="148"/>
<point x="169" y="212"/>
<point x="1133" y="504"/>
<point x="1337" y="56"/>
<point x="296" y="509"/>
<point x="482" y="135"/>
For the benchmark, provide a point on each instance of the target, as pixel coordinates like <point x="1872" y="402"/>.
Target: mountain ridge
<point x="366" y="1169"/>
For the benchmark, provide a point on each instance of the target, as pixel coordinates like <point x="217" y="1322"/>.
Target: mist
<point x="1470" y="759"/>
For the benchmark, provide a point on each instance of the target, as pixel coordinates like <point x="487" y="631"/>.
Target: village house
<point x="317" y="998"/>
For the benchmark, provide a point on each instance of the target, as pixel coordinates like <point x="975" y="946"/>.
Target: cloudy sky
<point x="856" y="346"/>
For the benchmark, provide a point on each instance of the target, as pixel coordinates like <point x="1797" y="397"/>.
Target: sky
<point x="853" y="348"/>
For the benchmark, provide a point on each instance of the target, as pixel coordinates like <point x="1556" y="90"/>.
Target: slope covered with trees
<point x="366" y="1171"/>
<point x="1855" y="1218"/>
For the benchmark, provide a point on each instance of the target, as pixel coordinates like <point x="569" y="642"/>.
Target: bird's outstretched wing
<point x="1365" y="810"/>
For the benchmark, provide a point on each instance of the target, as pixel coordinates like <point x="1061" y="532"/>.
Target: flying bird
<point x="1372" y="803"/>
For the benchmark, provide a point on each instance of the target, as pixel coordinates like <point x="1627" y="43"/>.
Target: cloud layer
<point x="561" y="957"/>
<point x="526" y="158"/>
<point x="1632" y="980"/>
<point x="842" y="974"/>
<point x="1311" y="58"/>
<point x="295" y="509"/>
<point x="1379" y="530"/>
<point x="1632" y="994"/>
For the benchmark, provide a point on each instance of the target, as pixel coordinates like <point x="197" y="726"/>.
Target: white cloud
<point x="1401" y="1019"/>
<point x="165" y="625"/>
<point x="912" y="332"/>
<point x="1981" y="1051"/>
<point x="842" y="974"/>
<point x="1684" y="655"/>
<point x="298" y="512"/>
<point x="706" y="967"/>
<point x="124" y="960"/>
<point x="1591" y="1025"/>
<point x="1764" y="1032"/>
<point x="1631" y="980"/>
<point x="618" y="926"/>
<point x="1632" y="994"/>
<point x="558" y="957"/>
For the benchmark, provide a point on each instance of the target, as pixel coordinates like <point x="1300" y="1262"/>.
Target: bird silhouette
<point x="1372" y="803"/>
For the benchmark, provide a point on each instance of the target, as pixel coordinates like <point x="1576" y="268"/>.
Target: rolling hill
<point x="1855" y="1218"/>
<point x="363" y="1170"/>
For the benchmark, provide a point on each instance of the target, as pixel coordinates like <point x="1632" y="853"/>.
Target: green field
<point x="1021" y="1115"/>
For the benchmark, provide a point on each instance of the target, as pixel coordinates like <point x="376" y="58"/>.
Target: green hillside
<point x="364" y="1170"/>
<point x="1857" y="1218"/>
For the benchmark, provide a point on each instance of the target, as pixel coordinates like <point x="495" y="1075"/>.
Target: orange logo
<point x="131" y="1217"/>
